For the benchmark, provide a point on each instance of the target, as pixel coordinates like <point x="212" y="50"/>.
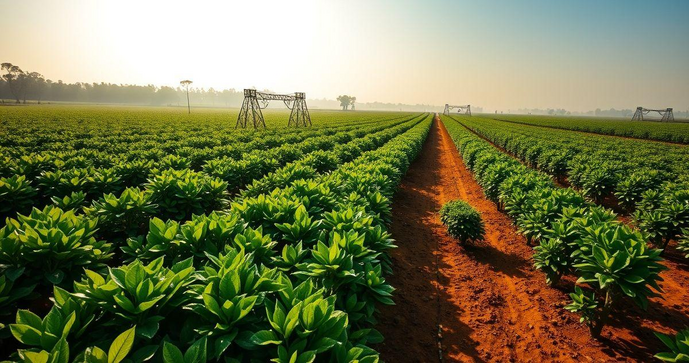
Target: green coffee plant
<point x="51" y="246"/>
<point x="274" y="230"/>
<point x="616" y="262"/>
<point x="229" y="299"/>
<point x="683" y="243"/>
<point x="123" y="216"/>
<point x="678" y="345"/>
<point x="462" y="221"/>
<point x="74" y="201"/>
<point x="138" y="293"/>
<point x="16" y="195"/>
<point x="180" y="194"/>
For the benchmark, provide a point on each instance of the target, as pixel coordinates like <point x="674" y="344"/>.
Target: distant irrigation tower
<point x="666" y="114"/>
<point x="465" y="109"/>
<point x="251" y="114"/>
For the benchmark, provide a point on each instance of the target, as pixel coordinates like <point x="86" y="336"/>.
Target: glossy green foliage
<point x="462" y="221"/>
<point x="232" y="281"/>
<point x="573" y="236"/>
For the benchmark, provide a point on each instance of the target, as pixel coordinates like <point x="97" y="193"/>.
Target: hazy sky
<point x="578" y="55"/>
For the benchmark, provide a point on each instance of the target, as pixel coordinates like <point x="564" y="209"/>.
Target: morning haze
<point x="576" y="55"/>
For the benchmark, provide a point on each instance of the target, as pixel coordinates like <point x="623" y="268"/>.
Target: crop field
<point x="196" y="234"/>
<point x="652" y="130"/>
<point x="149" y="234"/>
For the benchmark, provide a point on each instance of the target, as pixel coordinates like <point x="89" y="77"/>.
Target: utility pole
<point x="186" y="84"/>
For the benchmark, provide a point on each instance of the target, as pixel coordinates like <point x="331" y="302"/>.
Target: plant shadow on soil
<point x="410" y="328"/>
<point x="472" y="279"/>
<point x="486" y="254"/>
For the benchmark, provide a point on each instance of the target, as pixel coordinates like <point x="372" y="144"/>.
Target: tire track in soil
<point x="493" y="305"/>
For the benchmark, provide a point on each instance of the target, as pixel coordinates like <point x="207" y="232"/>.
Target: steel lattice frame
<point x="250" y="113"/>
<point x="666" y="114"/>
<point x="466" y="109"/>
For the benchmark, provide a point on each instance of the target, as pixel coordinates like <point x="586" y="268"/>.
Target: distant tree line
<point x="597" y="112"/>
<point x="21" y="86"/>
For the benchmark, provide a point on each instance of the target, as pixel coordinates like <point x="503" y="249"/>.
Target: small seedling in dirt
<point x="463" y="222"/>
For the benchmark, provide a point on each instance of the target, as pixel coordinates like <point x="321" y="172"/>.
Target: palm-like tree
<point x="186" y="84"/>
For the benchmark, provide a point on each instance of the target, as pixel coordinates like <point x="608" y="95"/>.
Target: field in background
<point x="655" y="130"/>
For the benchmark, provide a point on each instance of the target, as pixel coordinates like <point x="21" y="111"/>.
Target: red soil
<point x="489" y="301"/>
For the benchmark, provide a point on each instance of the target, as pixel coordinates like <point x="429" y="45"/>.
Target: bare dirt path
<point x="490" y="303"/>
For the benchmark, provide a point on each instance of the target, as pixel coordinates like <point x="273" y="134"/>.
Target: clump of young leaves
<point x="197" y="238"/>
<point x="69" y="318"/>
<point x="51" y="246"/>
<point x="180" y="194"/>
<point x="629" y="191"/>
<point x="60" y="351"/>
<point x="10" y="294"/>
<point x="462" y="221"/>
<point x="304" y="324"/>
<point x="137" y="293"/>
<point x="678" y="345"/>
<point x="73" y="201"/>
<point x="123" y="216"/>
<point x="663" y="214"/>
<point x="16" y="195"/>
<point x="553" y="255"/>
<point x="553" y="258"/>
<point x="228" y="296"/>
<point x="616" y="262"/>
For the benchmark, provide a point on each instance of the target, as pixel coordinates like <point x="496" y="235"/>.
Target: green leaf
<point x="37" y="357"/>
<point x="13" y="273"/>
<point x="119" y="276"/>
<point x="148" y="329"/>
<point x="197" y="352"/>
<point x="26" y="317"/>
<point x="26" y="334"/>
<point x="60" y="352"/>
<point x="121" y="346"/>
<point x="307" y="357"/>
<point x="95" y="355"/>
<point x="69" y="323"/>
<point x="134" y="276"/>
<point x="265" y="337"/>
<point x="172" y="354"/>
<point x="144" y="353"/>
<point x="52" y="322"/>
<point x="124" y="303"/>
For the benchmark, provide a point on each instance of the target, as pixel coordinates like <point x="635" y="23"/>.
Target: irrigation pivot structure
<point x="465" y="109"/>
<point x="666" y="114"/>
<point x="255" y="101"/>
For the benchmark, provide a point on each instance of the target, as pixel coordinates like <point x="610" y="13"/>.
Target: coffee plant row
<point x="74" y="179"/>
<point x="571" y="235"/>
<point x="289" y="275"/>
<point x="648" y="178"/>
<point x="671" y="132"/>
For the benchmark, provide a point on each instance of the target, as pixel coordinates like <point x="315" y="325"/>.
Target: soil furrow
<point x="493" y="305"/>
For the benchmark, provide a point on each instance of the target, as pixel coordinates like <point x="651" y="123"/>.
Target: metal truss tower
<point x="251" y="114"/>
<point x="666" y="114"/>
<point x="466" y="109"/>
